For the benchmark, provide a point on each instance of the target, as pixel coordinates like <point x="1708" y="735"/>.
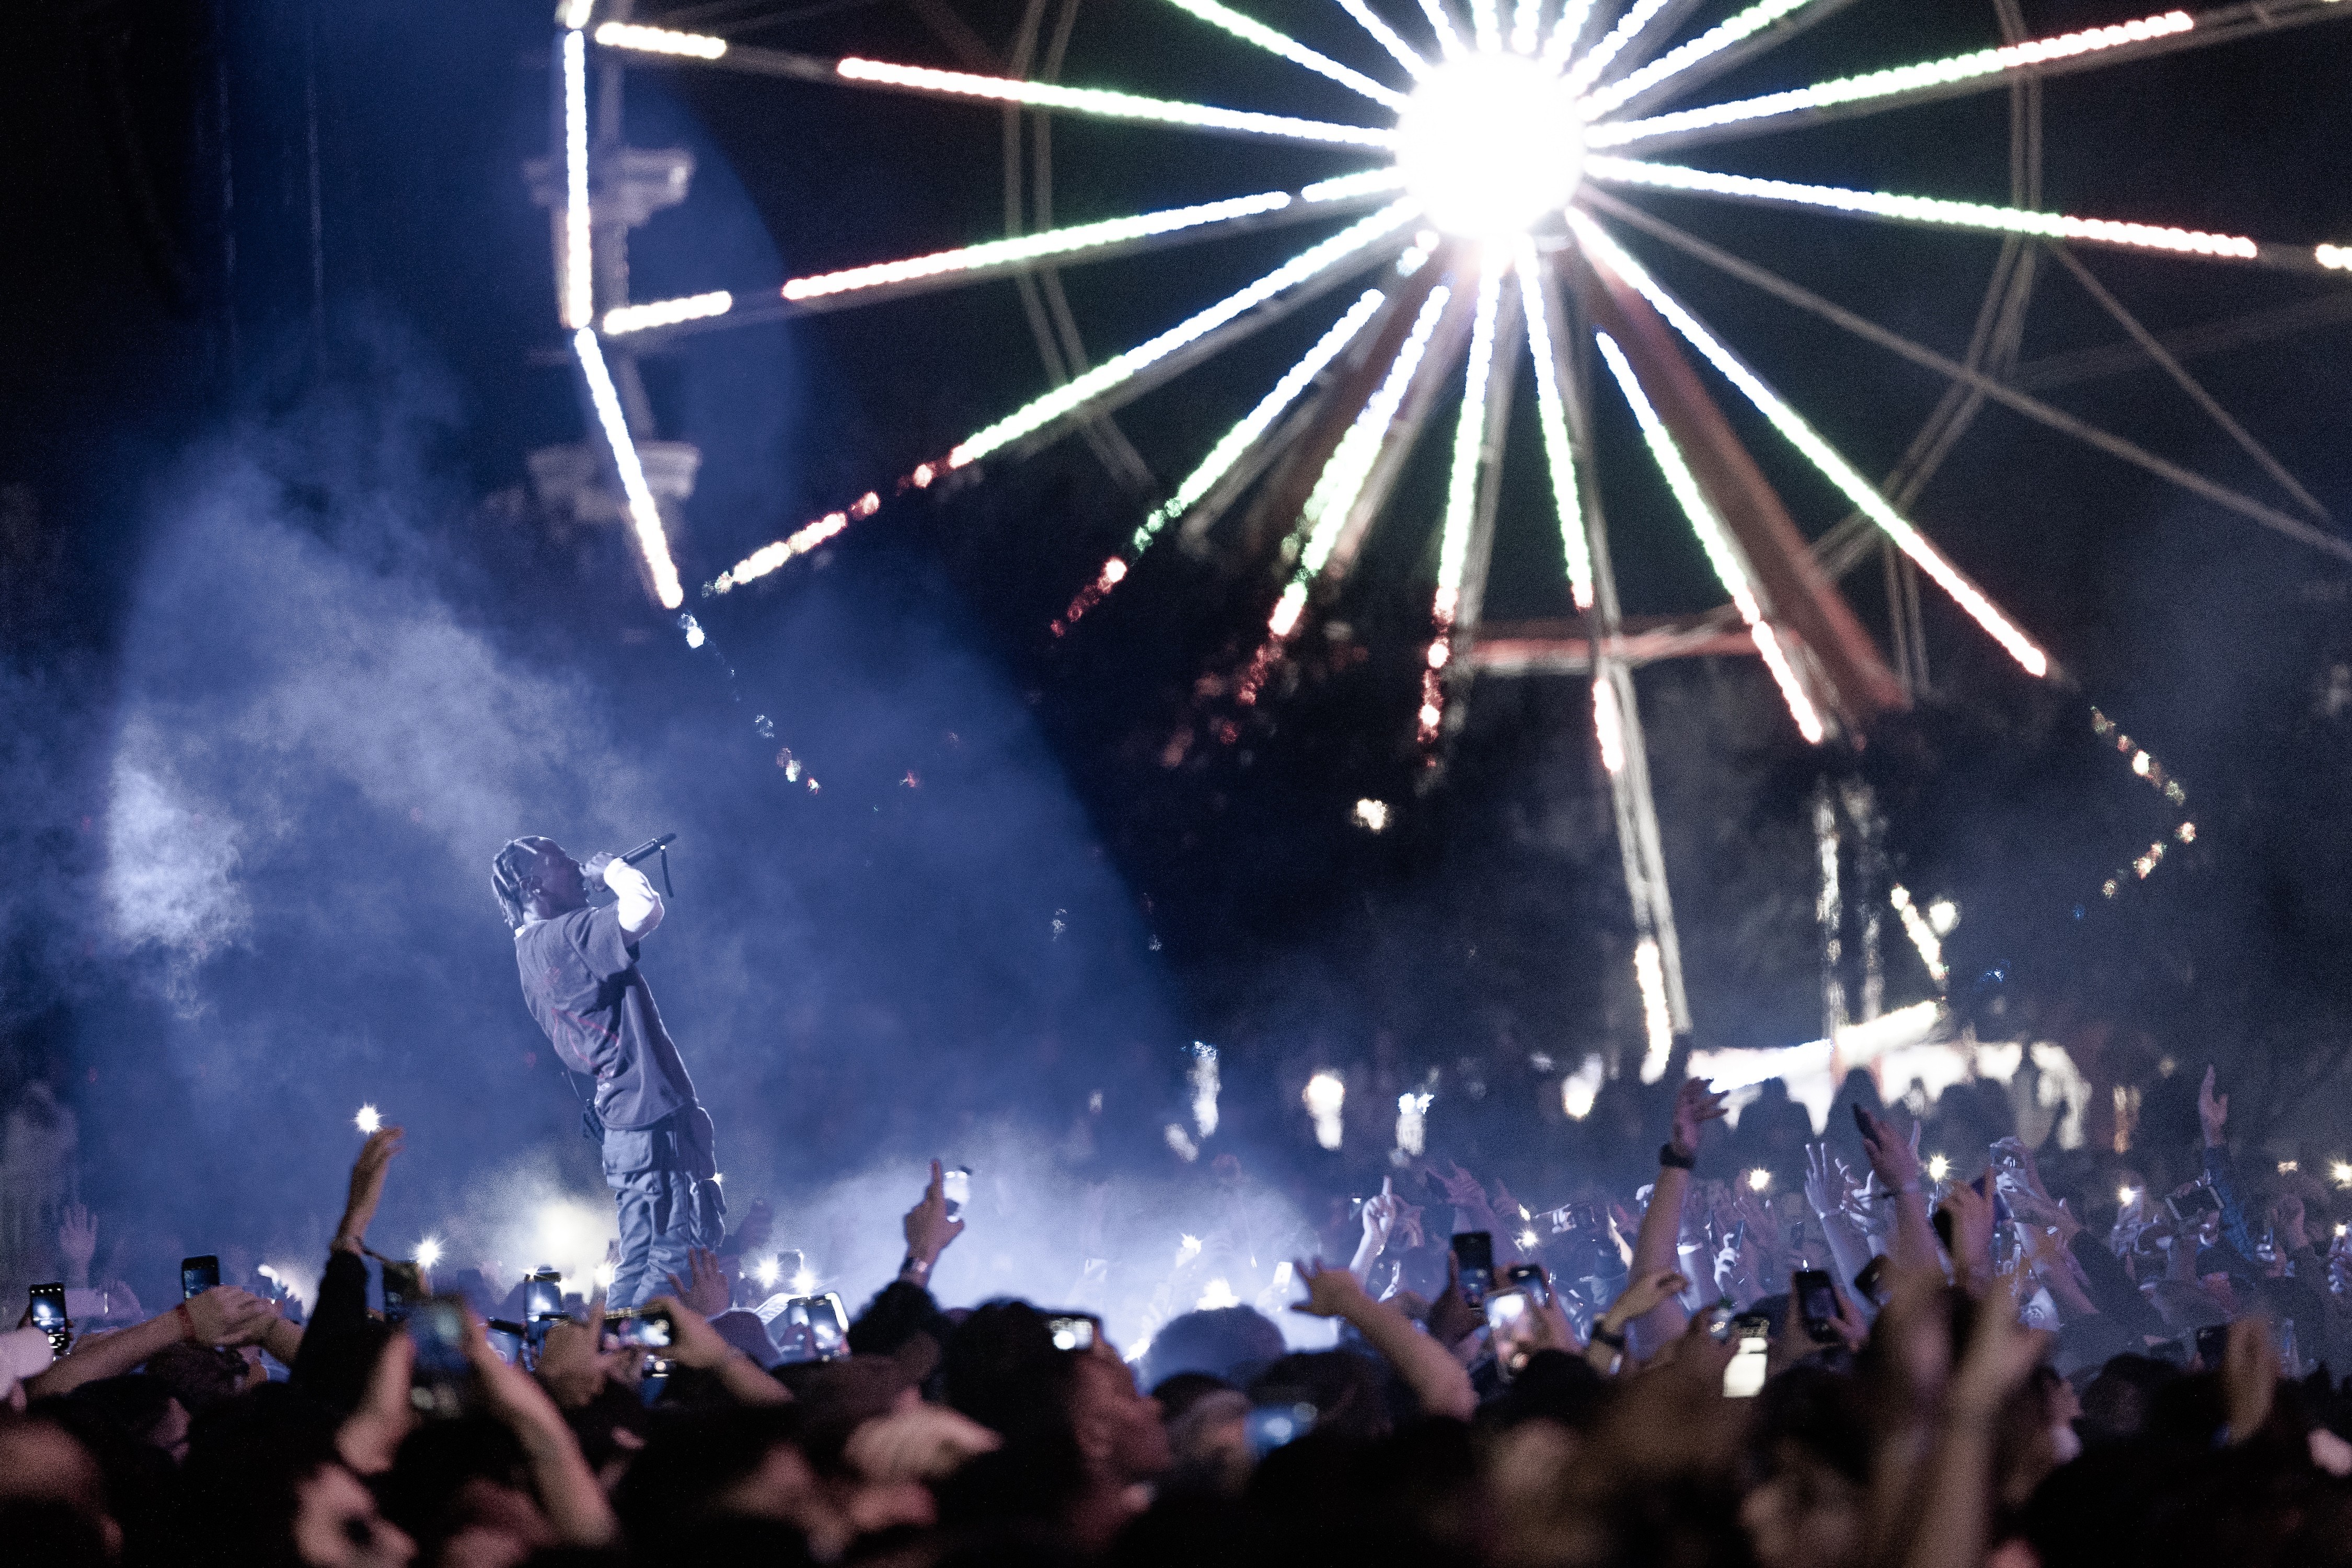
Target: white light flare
<point x="428" y="1252"/>
<point x="644" y="517"/>
<point x="1440" y="22"/>
<point x="1559" y="453"/>
<point x="1251" y="30"/>
<point x="2340" y="1172"/>
<point x="1031" y="247"/>
<point x="1326" y="1097"/>
<point x="1564" y="32"/>
<point x="1491" y="145"/>
<point x="1684" y="55"/>
<point x="1259" y="420"/>
<point x="1216" y="1296"/>
<point x="1922" y="933"/>
<point x="1108" y="105"/>
<point x="1461" y="502"/>
<point x="804" y="1281"/>
<point x="1714" y="541"/>
<point x="1188" y="1247"/>
<point x="1079" y="390"/>
<point x="576" y="13"/>
<point x="579" y="273"/>
<point x="1203" y="1078"/>
<point x="1609" y="725"/>
<point x="1404" y="54"/>
<point x="1759" y="1180"/>
<point x="622" y="320"/>
<point x="1412" y="1123"/>
<point x="1527" y="26"/>
<point x="1858" y="491"/>
<point x="1580" y="1090"/>
<point x="767" y="1273"/>
<point x="1181" y="1143"/>
<point x="1927" y="209"/>
<point x="1900" y="79"/>
<point x="1342" y="479"/>
<point x="1939" y="1167"/>
<point x="1372" y="816"/>
<point x="1594" y="60"/>
<point x="1364" y="182"/>
<point x="2336" y="258"/>
<point x="1487" y="26"/>
<point x="1657" y="1022"/>
<point x="369" y="1121"/>
<point x="659" y="41"/>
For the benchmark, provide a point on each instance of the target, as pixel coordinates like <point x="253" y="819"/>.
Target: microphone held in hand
<point x="592" y="872"/>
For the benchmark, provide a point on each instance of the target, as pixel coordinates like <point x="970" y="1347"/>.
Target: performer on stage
<point x="579" y="967"/>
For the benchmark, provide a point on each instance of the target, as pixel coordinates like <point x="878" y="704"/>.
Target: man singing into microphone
<point x="580" y="978"/>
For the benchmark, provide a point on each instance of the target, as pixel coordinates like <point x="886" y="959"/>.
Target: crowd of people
<point x="1899" y="1365"/>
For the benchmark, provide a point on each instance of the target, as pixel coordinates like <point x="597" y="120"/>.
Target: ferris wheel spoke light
<point x="1608" y="725"/>
<point x="2336" y="258"/>
<point x="1898" y="79"/>
<point x="1527" y="26"/>
<point x="659" y="41"/>
<point x="1461" y="501"/>
<point x="1404" y="54"/>
<point x="1684" y="55"/>
<point x="1108" y="105"/>
<point x="622" y="320"/>
<point x="1440" y="22"/>
<point x="644" y="517"/>
<point x="1858" y="491"/>
<point x="1594" y="60"/>
<point x="1657" y="1018"/>
<point x="1254" y="424"/>
<point x="1560" y="454"/>
<point x="801" y="541"/>
<point x="1075" y="393"/>
<point x="576" y="11"/>
<point x="1350" y="464"/>
<point x="1566" y="31"/>
<point x="1034" y="246"/>
<point x="1487" y="26"/>
<point x="1713" y="538"/>
<point x="1926" y="209"/>
<point x="1370" y="182"/>
<point x="1250" y="30"/>
<point x="579" y="273"/>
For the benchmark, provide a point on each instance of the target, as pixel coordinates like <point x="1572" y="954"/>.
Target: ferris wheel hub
<point x="1491" y="145"/>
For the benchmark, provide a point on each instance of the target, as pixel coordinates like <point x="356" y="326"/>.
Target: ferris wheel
<point x="1473" y="230"/>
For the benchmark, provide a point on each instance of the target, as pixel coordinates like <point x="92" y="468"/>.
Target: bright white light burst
<point x="368" y="1121"/>
<point x="1490" y="144"/>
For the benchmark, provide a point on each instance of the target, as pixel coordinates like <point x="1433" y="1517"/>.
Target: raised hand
<point x="708" y="1294"/>
<point x="77" y="1240"/>
<point x="1330" y="1292"/>
<point x="2212" y="1112"/>
<point x="1696" y="1105"/>
<point x="368" y="1173"/>
<point x="929" y="1228"/>
<point x="1894" y="1159"/>
<point x="1380" y="1217"/>
<point x="226" y="1315"/>
<point x="1972" y="1224"/>
<point x="1640" y="1296"/>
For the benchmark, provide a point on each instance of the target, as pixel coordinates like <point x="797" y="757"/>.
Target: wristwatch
<point x="1670" y="1155"/>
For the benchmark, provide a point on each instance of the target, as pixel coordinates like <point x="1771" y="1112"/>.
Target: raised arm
<point x="1439" y="1383"/>
<point x="640" y="907"/>
<point x="1655" y="1250"/>
<point x="929" y="1231"/>
<point x="223" y="1315"/>
<point x="1380" y="1218"/>
<point x="1896" y="1164"/>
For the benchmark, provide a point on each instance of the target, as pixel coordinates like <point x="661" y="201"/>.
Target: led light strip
<point x="2337" y="257"/>
<point x="1109" y="105"/>
<point x="769" y="557"/>
<point x="1566" y="31"/>
<point x="1350" y="464"/>
<point x="1526" y="24"/>
<point x="1486" y="27"/>
<point x="1925" y="209"/>
<point x="1608" y="725"/>
<point x="1031" y="247"/>
<point x="1552" y="410"/>
<point x="622" y="320"/>
<point x="1440" y="22"/>
<point x="1923" y="935"/>
<point x="644" y="517"/>
<point x="1835" y="468"/>
<point x="1657" y="1020"/>
<point x="1587" y="68"/>
<point x="2144" y="763"/>
<point x="1370" y="182"/>
<point x="579" y="275"/>
<point x="1711" y="537"/>
<point x="1461" y="502"/>
<point x="1075" y="393"/>
<point x="1404" y="54"/>
<point x="1242" y="437"/>
<point x="659" y="41"/>
<point x="1682" y="56"/>
<point x="1250" y="30"/>
<point x="1896" y="79"/>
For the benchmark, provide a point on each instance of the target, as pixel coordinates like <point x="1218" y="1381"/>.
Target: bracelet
<point x="1613" y="1338"/>
<point x="187" y="1322"/>
<point x="915" y="1265"/>
<point x="1674" y="1158"/>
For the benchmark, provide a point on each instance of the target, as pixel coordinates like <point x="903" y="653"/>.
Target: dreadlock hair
<point x="508" y="867"/>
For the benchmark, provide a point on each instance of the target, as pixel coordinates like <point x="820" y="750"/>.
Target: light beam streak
<point x="1895" y="80"/>
<point x="1713" y="538"/>
<point x="659" y="41"/>
<point x="1035" y="247"/>
<point x="1109" y="105"/>
<point x="1923" y="935"/>
<point x="1487" y="26"/>
<point x="1926" y="209"/>
<point x="1527" y="25"/>
<point x="1589" y="66"/>
<point x="1608" y="726"/>
<point x="1806" y="439"/>
<point x="1566" y="31"/>
<point x="1461" y="501"/>
<point x="1350" y="464"/>
<point x="1440" y="22"/>
<point x="579" y="277"/>
<point x="1404" y="54"/>
<point x="622" y="320"/>
<point x="1075" y="393"/>
<point x="1250" y="30"/>
<point x="1552" y="411"/>
<point x="1658" y="1024"/>
<point x="1370" y="182"/>
<point x="1684" y="55"/>
<point x="807" y="537"/>
<point x="644" y="517"/>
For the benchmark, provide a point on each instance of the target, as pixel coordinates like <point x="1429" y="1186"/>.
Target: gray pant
<point x="663" y="1212"/>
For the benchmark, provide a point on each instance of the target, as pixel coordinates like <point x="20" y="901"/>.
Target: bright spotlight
<point x="1939" y="1167"/>
<point x="2340" y="1172"/>
<point x="1489" y="144"/>
<point x="368" y="1121"/>
<point x="804" y="1281"/>
<point x="1943" y="914"/>
<point x="428" y="1252"/>
<point x="1324" y="1096"/>
<point x="1218" y="1295"/>
<point x="1759" y="1180"/>
<point x="1372" y="816"/>
<point x="2126" y="1196"/>
<point x="766" y="1273"/>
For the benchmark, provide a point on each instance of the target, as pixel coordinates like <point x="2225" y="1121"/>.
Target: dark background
<point x="290" y="648"/>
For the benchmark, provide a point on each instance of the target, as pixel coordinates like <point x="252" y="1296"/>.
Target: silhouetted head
<point x="535" y="879"/>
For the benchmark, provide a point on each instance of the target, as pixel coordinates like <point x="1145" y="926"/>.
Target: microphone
<point x="646" y="851"/>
